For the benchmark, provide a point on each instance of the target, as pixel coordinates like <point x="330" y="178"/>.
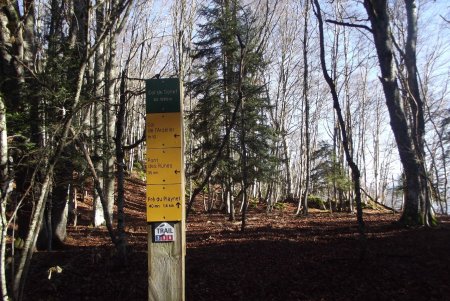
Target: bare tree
<point x="62" y="136"/>
<point x="408" y="126"/>
<point x="5" y="190"/>
<point x="348" y="155"/>
<point x="304" y="197"/>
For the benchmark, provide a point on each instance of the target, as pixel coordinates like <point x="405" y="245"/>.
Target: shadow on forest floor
<point x="278" y="257"/>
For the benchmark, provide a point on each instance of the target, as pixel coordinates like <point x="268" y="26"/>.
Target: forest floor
<point x="278" y="257"/>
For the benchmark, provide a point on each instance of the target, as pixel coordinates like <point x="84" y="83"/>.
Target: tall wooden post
<point x="165" y="190"/>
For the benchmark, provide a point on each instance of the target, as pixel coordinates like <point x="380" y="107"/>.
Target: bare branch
<point x="443" y="18"/>
<point x="350" y="25"/>
<point x="135" y="144"/>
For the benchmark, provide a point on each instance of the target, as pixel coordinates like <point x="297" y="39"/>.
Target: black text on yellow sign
<point x="163" y="130"/>
<point x="164" y="167"/>
<point x="164" y="203"/>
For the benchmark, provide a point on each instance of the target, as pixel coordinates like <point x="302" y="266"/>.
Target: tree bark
<point x="417" y="107"/>
<point x="244" y="166"/>
<point x="60" y="210"/>
<point x="4" y="193"/>
<point x="120" y="156"/>
<point x="304" y="197"/>
<point x="409" y="139"/>
<point x="99" y="141"/>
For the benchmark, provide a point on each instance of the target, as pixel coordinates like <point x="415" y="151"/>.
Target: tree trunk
<point x="30" y="241"/>
<point x="60" y="211"/>
<point x="243" y="141"/>
<point x="4" y="193"/>
<point x="345" y="142"/>
<point x="417" y="107"/>
<point x="99" y="141"/>
<point x="111" y="74"/>
<point x="288" y="194"/>
<point x="120" y="156"/>
<point x="409" y="139"/>
<point x="304" y="197"/>
<point x="45" y="236"/>
<point x="60" y="141"/>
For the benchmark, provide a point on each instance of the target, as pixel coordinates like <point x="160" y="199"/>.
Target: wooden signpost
<point x="165" y="190"/>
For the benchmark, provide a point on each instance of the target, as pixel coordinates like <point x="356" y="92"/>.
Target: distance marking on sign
<point x="163" y="130"/>
<point x="164" y="203"/>
<point x="164" y="166"/>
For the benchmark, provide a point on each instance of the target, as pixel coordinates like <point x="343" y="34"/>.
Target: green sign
<point x="163" y="95"/>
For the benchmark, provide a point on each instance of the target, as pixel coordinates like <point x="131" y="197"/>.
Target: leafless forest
<point x="297" y="106"/>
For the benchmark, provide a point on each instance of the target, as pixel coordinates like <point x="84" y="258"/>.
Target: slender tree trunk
<point x="307" y="109"/>
<point x="243" y="137"/>
<point x="286" y="163"/>
<point x="3" y="230"/>
<point x="348" y="115"/>
<point x="120" y="156"/>
<point x="232" y="216"/>
<point x="99" y="141"/>
<point x="345" y="142"/>
<point x="111" y="74"/>
<point x="4" y="193"/>
<point x="99" y="191"/>
<point x="30" y="241"/>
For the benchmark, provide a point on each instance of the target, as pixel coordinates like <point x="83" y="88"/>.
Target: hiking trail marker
<point x="165" y="190"/>
<point x="163" y="232"/>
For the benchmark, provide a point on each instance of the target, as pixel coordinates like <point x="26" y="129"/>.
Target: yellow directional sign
<point x="165" y="189"/>
<point x="163" y="130"/>
<point x="164" y="203"/>
<point x="164" y="166"/>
